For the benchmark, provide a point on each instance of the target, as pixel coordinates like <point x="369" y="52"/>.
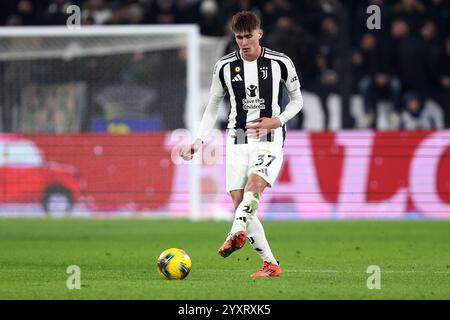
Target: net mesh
<point x="51" y="83"/>
<point x="68" y="84"/>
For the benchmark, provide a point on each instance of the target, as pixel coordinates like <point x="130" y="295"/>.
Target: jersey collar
<point x="263" y="51"/>
<point x="238" y="54"/>
<point x="261" y="55"/>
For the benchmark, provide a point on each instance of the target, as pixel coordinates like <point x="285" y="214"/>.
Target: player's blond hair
<point x="245" y="21"/>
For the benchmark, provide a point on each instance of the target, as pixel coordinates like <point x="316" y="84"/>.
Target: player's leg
<point x="255" y="231"/>
<point x="258" y="240"/>
<point x="245" y="209"/>
<point x="246" y="203"/>
<point x="262" y="170"/>
<point x="237" y="237"/>
<point x="266" y="165"/>
<point x="236" y="178"/>
<point x="250" y="201"/>
<point x="236" y="197"/>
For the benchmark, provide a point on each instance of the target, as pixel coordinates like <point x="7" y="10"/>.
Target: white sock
<point x="257" y="237"/>
<point x="246" y="209"/>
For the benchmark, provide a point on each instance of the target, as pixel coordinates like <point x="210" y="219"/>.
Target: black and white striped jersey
<point x="254" y="87"/>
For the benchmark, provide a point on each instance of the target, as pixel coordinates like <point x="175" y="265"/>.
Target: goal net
<point x="59" y="83"/>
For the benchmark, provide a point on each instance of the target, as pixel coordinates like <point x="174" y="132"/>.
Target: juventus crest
<point x="264" y="72"/>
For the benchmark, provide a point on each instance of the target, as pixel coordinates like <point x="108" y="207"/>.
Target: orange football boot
<point x="233" y="243"/>
<point x="268" y="270"/>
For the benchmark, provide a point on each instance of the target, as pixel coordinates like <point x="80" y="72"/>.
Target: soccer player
<point x="253" y="77"/>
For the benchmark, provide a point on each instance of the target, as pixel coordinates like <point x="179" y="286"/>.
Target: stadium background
<point x="94" y="120"/>
<point x="97" y="130"/>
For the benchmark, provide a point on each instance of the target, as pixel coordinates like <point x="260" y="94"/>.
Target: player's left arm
<point x="294" y="106"/>
<point x="209" y="116"/>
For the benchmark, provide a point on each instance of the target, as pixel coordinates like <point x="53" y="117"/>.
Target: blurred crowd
<point x="405" y="63"/>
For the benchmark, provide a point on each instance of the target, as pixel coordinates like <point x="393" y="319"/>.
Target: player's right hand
<point x="187" y="152"/>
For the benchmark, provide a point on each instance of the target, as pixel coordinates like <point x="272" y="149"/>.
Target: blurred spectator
<point x="186" y="12"/>
<point x="439" y="12"/>
<point x="14" y="20"/>
<point x="408" y="53"/>
<point x="419" y="116"/>
<point x="329" y="6"/>
<point x="410" y="61"/>
<point x="443" y="79"/>
<point x="379" y="83"/>
<point x="327" y="77"/>
<point x="230" y="7"/>
<point x="160" y="12"/>
<point x="429" y="51"/>
<point x="295" y="42"/>
<point x="125" y="12"/>
<point x="362" y="56"/>
<point x="310" y="15"/>
<point x="284" y="37"/>
<point x="210" y="21"/>
<point x="56" y="12"/>
<point x="4" y="12"/>
<point x="231" y="44"/>
<point x="28" y="11"/>
<point x="410" y="11"/>
<point x="20" y="12"/>
<point x="429" y="34"/>
<point x="273" y="10"/>
<point x="97" y="11"/>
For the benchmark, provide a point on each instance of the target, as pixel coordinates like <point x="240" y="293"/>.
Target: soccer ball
<point x="174" y="264"/>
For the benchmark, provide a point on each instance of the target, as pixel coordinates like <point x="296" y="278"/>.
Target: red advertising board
<point x="326" y="175"/>
<point x="132" y="172"/>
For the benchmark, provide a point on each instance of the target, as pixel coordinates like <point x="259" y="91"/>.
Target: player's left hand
<point x="187" y="152"/>
<point x="262" y="126"/>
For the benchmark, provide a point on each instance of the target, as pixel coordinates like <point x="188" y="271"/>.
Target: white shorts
<point x="255" y="157"/>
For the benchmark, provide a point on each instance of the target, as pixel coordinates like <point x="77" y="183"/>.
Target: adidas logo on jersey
<point x="237" y="78"/>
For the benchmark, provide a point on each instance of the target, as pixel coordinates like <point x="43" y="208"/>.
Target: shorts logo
<point x="263" y="171"/>
<point x="264" y="71"/>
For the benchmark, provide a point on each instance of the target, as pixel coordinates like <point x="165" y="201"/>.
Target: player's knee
<point x="237" y="197"/>
<point x="236" y="201"/>
<point x="255" y="184"/>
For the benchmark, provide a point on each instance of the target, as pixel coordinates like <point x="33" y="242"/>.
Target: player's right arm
<point x="292" y="84"/>
<point x="209" y="116"/>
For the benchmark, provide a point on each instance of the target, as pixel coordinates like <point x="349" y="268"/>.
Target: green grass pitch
<point x="320" y="259"/>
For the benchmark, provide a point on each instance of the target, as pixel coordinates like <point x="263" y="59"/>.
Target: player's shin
<point x="246" y="209"/>
<point x="257" y="238"/>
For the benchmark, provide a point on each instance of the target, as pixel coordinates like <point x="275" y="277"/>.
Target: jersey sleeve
<point x="292" y="82"/>
<point x="218" y="88"/>
<point x="210" y="114"/>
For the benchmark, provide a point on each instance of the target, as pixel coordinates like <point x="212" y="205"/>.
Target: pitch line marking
<point x="341" y="271"/>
